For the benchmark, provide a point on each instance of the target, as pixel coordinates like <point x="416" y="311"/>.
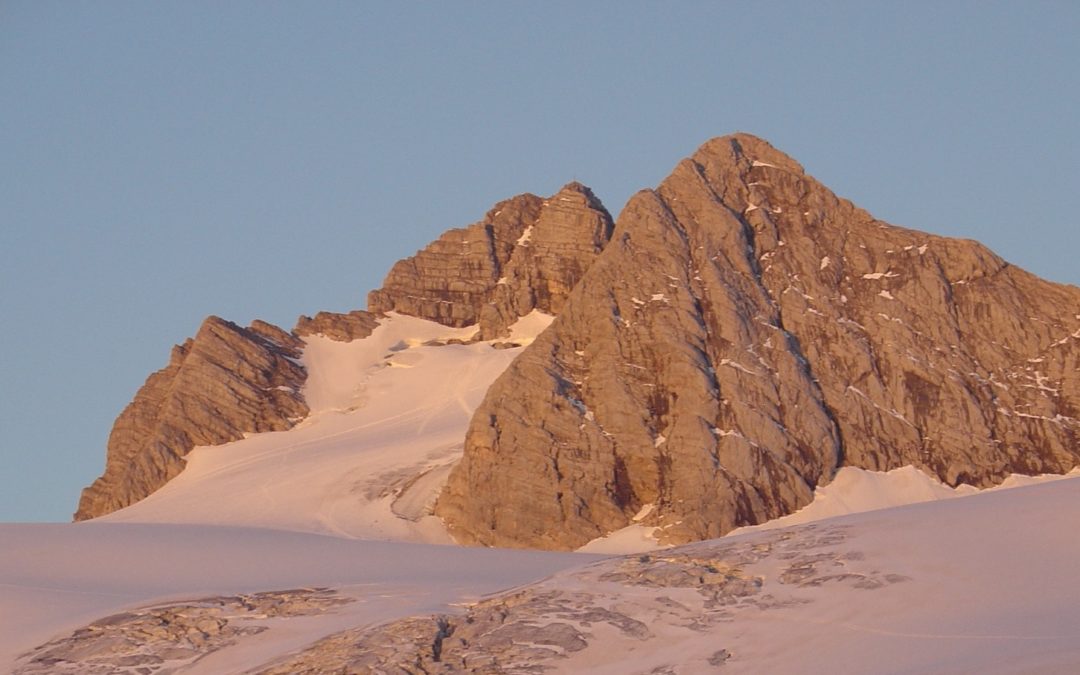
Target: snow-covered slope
<point x="851" y="490"/>
<point x="858" y="491"/>
<point x="388" y="418"/>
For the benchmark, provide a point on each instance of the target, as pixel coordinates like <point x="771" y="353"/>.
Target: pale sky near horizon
<point x="163" y="161"/>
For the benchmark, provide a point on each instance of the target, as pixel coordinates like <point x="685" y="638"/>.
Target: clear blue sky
<point x="162" y="161"/>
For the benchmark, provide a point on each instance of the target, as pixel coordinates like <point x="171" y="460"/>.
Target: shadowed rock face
<point x="527" y="253"/>
<point x="223" y="383"/>
<point x="744" y="334"/>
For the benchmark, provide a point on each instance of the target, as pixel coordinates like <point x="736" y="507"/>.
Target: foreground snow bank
<point x="851" y="491"/>
<point x="982" y="584"/>
<point x="57" y="577"/>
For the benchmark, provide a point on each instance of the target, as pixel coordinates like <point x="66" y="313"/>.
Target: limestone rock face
<point x="224" y="382"/>
<point x="743" y="335"/>
<point x="354" y="325"/>
<point x="527" y="253"/>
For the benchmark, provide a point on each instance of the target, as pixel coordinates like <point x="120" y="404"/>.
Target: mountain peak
<point x="741" y="335"/>
<point x="744" y="151"/>
<point x="749" y="334"/>
<point x="574" y="189"/>
<point x="528" y="253"/>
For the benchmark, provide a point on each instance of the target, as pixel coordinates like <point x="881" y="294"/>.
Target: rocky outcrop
<point x="170" y="638"/>
<point x="527" y="253"/>
<point x="355" y="325"/>
<point x="617" y="615"/>
<point x="223" y="383"/>
<point x="744" y="334"/>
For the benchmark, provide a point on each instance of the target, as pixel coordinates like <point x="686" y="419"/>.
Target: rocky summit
<point x="743" y="335"/>
<point x="719" y="351"/>
<point x="219" y="385"/>
<point x="528" y="253"/>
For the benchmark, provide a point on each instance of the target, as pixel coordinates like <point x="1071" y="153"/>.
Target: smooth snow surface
<point x="529" y="326"/>
<point x="631" y="539"/>
<point x="857" y="491"/>
<point x="982" y="584"/>
<point x="850" y="491"/>
<point x="388" y="418"/>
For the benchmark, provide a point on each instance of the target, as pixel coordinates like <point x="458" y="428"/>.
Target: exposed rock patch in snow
<point x="59" y="577"/>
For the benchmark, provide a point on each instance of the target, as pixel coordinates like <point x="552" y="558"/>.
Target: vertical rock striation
<point x="744" y="334"/>
<point x="736" y="337"/>
<point x="219" y="385"/>
<point x="527" y="253"/>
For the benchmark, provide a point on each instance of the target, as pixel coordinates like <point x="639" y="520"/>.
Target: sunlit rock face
<point x="228" y="381"/>
<point x="736" y="337"/>
<point x="743" y="335"/>
<point x="219" y="385"/>
<point x="527" y="253"/>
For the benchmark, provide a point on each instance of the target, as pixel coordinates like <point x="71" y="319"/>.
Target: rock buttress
<point x="219" y="385"/>
<point x="744" y="334"/>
